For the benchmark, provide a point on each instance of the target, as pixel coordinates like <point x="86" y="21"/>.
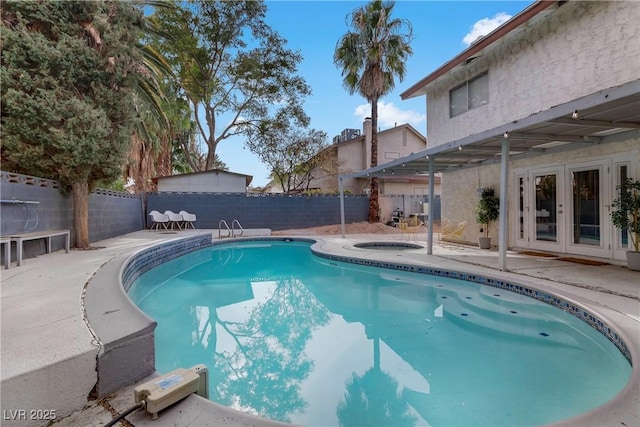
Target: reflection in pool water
<point x="297" y="338"/>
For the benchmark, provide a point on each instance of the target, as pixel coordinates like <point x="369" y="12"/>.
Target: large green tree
<point x="235" y="71"/>
<point x="69" y="72"/>
<point x="371" y="54"/>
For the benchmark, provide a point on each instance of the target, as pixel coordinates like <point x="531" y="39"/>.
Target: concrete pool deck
<point x="48" y="349"/>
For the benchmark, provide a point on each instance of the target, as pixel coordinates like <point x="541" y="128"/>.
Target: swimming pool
<point x="294" y="337"/>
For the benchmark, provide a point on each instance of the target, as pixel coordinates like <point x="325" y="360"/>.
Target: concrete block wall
<point x="276" y="211"/>
<point x="111" y="213"/>
<point x="114" y="213"/>
<point x="576" y="50"/>
<point x="47" y="209"/>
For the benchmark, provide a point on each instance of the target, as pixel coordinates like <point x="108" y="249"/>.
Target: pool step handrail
<point x="233" y="224"/>
<point x="220" y="224"/>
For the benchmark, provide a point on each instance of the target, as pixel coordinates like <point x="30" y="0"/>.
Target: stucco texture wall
<point x="205" y="182"/>
<point x="577" y="50"/>
<point x="459" y="188"/>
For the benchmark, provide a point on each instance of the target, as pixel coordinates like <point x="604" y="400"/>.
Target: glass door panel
<point x="622" y="174"/>
<point x="586" y="228"/>
<point x="622" y="169"/>
<point x="546" y="197"/>
<point x="520" y="226"/>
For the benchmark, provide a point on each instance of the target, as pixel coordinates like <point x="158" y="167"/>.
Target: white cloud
<point x="485" y="26"/>
<point x="389" y="115"/>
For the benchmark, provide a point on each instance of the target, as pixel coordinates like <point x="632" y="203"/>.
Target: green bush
<point x="487" y="209"/>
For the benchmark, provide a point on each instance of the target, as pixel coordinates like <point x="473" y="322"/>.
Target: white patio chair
<point x="174" y="219"/>
<point x="159" y="219"/>
<point x="188" y="219"/>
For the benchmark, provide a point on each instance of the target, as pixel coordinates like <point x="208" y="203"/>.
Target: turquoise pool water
<point x="293" y="337"/>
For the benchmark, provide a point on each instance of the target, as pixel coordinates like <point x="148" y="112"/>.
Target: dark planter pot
<point x="633" y="260"/>
<point x="484" y="242"/>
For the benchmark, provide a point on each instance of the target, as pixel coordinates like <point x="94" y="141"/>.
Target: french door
<point x="566" y="208"/>
<point x="547" y="211"/>
<point x="622" y="168"/>
<point x="588" y="226"/>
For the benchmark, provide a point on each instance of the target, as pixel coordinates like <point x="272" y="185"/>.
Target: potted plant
<point x="626" y="215"/>
<point x="487" y="211"/>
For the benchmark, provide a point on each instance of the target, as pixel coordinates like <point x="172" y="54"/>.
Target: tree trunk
<point x="374" y="215"/>
<point x="81" y="213"/>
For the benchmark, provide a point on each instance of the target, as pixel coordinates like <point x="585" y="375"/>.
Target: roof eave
<point x="515" y="22"/>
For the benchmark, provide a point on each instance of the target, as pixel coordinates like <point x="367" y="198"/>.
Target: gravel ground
<point x="353" y="228"/>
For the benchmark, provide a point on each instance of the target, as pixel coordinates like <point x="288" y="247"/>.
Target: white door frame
<point x="618" y="250"/>
<point x="553" y="219"/>
<point x="609" y="177"/>
<point x="602" y="249"/>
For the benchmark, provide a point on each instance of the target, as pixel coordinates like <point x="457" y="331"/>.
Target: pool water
<point x="293" y="337"/>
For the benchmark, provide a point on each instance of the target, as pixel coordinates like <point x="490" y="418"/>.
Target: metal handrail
<point x="220" y="224"/>
<point x="233" y="223"/>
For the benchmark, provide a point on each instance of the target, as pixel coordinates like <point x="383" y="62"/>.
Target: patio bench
<point x="34" y="235"/>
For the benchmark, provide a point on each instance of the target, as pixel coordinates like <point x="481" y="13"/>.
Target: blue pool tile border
<point x="144" y="260"/>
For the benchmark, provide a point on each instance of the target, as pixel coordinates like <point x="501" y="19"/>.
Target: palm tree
<point x="164" y="115"/>
<point x="370" y="56"/>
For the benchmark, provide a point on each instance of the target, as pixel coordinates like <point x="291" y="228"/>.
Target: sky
<point x="441" y="30"/>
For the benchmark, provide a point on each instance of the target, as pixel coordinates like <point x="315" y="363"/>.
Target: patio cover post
<point x="341" y="188"/>
<point x="504" y="173"/>
<point x="430" y="213"/>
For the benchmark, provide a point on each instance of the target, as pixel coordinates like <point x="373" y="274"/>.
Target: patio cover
<point x="579" y="123"/>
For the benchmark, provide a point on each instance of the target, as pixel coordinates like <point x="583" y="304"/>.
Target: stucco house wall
<point x="459" y="201"/>
<point x="214" y="181"/>
<point x="563" y="54"/>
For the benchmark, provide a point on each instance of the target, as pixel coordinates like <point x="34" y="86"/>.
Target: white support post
<point x="341" y="188"/>
<point x="504" y="185"/>
<point x="430" y="213"/>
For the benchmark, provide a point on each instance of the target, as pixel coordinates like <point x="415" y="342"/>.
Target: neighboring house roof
<point x="477" y="47"/>
<point x="382" y="132"/>
<point x="248" y="178"/>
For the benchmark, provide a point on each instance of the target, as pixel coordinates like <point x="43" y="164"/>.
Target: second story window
<point x="469" y="95"/>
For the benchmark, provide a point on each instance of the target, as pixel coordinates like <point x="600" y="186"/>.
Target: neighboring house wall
<point x="205" y="182"/>
<point x="355" y="155"/>
<point x="578" y="49"/>
<point x="409" y="205"/>
<point x="410" y="187"/>
<point x="407" y="195"/>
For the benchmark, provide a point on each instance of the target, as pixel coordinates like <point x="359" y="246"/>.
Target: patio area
<point x="48" y="348"/>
